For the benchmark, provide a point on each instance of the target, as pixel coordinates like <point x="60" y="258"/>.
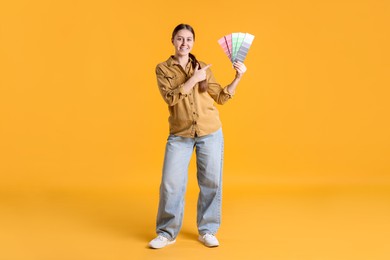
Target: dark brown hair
<point x="202" y="84"/>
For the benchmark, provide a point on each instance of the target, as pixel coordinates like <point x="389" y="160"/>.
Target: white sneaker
<point x="209" y="240"/>
<point x="160" y="242"/>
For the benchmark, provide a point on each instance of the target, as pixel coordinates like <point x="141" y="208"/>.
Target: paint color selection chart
<point x="236" y="45"/>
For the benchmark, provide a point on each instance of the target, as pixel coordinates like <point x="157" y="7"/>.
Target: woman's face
<point x="183" y="42"/>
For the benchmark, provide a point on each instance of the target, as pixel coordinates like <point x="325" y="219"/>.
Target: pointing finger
<point x="206" y="67"/>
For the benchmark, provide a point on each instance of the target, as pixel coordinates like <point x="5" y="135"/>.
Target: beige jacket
<point x="192" y="114"/>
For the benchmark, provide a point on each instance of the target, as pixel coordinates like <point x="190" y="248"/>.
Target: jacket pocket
<point x="172" y="80"/>
<point x="175" y="80"/>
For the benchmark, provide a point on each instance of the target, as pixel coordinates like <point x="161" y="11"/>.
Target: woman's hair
<point x="202" y="84"/>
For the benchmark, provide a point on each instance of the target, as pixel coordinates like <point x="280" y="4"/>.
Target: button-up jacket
<point x="192" y="114"/>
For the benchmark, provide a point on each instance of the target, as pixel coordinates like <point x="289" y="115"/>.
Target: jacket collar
<point x="171" y="61"/>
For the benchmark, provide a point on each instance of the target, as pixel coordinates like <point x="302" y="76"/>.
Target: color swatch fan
<point x="236" y="45"/>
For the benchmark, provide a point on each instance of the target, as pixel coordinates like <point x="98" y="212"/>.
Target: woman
<point x="190" y="90"/>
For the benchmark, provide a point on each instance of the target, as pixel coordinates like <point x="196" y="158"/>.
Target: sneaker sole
<point x="169" y="243"/>
<point x="204" y="242"/>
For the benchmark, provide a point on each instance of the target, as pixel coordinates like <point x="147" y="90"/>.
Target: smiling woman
<point x="306" y="170"/>
<point x="190" y="90"/>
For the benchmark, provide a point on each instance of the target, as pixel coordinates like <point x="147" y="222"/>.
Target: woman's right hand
<point x="200" y="74"/>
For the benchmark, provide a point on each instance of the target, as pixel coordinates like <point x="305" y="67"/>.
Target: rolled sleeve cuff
<point x="225" y="90"/>
<point x="178" y="91"/>
<point x="181" y="90"/>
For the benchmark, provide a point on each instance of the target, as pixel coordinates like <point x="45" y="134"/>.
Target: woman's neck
<point x="183" y="60"/>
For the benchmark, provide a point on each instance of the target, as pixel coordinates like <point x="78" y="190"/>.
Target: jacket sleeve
<point x="219" y="94"/>
<point x="171" y="92"/>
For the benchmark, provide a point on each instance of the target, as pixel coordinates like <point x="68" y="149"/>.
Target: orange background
<point x="80" y="108"/>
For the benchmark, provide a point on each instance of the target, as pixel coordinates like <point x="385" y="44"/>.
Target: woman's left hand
<point x="240" y="68"/>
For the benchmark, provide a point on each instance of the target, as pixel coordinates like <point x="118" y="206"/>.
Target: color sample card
<point x="244" y="47"/>
<point x="225" y="46"/>
<point x="236" y="45"/>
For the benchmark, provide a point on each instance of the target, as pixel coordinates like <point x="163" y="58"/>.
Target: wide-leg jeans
<point x="209" y="161"/>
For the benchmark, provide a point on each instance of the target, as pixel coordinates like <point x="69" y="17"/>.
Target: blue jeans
<point x="209" y="161"/>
